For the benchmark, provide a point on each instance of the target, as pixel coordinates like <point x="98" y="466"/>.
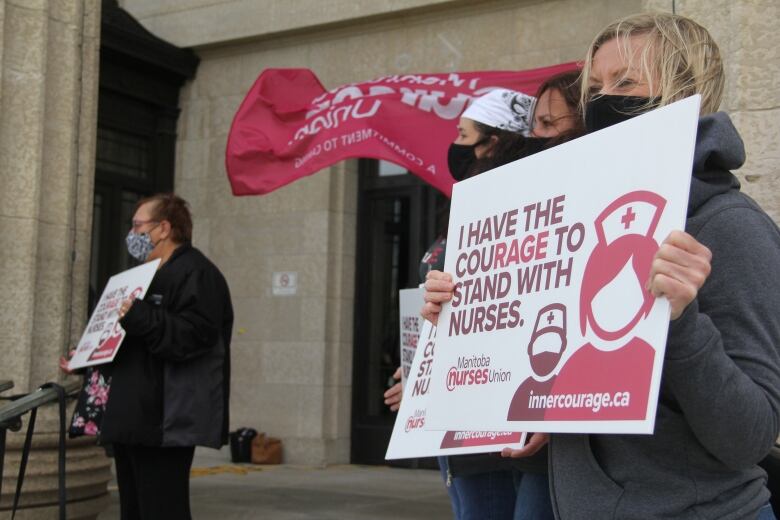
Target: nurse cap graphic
<point x="548" y="340"/>
<point x="612" y="296"/>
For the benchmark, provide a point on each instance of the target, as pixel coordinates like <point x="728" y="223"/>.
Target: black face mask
<point x="604" y="111"/>
<point x="534" y="145"/>
<point x="460" y="160"/>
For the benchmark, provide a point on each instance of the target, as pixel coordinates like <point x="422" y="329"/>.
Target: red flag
<point x="289" y="126"/>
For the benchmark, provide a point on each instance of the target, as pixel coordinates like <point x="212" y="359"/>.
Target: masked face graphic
<point x="104" y="336"/>
<point x="545" y="351"/>
<point x="548" y="341"/>
<point x="612" y="296"/>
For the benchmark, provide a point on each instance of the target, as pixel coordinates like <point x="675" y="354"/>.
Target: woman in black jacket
<point x="171" y="378"/>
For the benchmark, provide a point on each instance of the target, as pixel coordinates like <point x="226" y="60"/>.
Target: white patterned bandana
<point x="503" y="109"/>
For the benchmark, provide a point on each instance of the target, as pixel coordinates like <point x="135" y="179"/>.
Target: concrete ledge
<point x="192" y="23"/>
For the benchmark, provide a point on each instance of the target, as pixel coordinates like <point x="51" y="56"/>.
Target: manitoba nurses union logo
<point x="416" y="421"/>
<point x="475" y="370"/>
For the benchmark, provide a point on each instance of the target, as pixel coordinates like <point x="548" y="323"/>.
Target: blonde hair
<point x="679" y="60"/>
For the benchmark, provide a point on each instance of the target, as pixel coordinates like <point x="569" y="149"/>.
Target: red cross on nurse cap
<point x="635" y="213"/>
<point x="551" y="318"/>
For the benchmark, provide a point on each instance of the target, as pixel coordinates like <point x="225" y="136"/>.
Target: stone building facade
<point x="293" y="355"/>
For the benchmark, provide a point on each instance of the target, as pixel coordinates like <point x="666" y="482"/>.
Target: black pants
<point x="154" y="482"/>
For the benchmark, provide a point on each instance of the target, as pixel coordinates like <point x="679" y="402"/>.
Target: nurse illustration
<point x="547" y="345"/>
<point x="614" y="367"/>
<point x="607" y="378"/>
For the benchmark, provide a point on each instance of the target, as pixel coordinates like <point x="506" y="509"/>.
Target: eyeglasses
<point x="138" y="223"/>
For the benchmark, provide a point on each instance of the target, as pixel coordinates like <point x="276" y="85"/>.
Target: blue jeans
<point x="766" y="513"/>
<point x="533" y="497"/>
<point x="484" y="496"/>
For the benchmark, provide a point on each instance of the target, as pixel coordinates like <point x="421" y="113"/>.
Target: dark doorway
<point x="396" y="224"/>
<point x="140" y="79"/>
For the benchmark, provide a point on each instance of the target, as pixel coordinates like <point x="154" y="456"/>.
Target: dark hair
<point x="507" y="147"/>
<point x="568" y="84"/>
<point x="174" y="209"/>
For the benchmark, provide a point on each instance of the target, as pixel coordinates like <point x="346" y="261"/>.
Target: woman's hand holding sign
<point x="394" y="394"/>
<point x="125" y="307"/>
<point x="65" y="362"/>
<point x="438" y="289"/>
<point x="679" y="270"/>
<point x="535" y="443"/>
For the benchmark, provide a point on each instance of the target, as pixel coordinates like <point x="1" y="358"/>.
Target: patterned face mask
<point x="139" y="245"/>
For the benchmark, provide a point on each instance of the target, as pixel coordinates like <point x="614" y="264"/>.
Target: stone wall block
<point x="764" y="190"/>
<point x="25" y="37"/>
<point x="221" y="245"/>
<point x="183" y="23"/>
<point x="18" y="304"/>
<point x="310" y="193"/>
<point x="21" y="142"/>
<point x="657" y="5"/>
<point x="760" y="172"/>
<point x="284" y="234"/>
<point x="349" y="187"/>
<point x="312" y="318"/>
<point x="91" y="20"/>
<point x="245" y="381"/>
<point x="221" y="113"/>
<point x="2" y="45"/>
<point x="192" y="159"/>
<point x="201" y="238"/>
<point x="194" y="120"/>
<point x="290" y="411"/>
<point x="339" y="367"/>
<point x="304" y="450"/>
<point x="246" y="282"/>
<point x="340" y="284"/>
<point x="314" y="231"/>
<point x="196" y="193"/>
<point x="50" y="332"/>
<point x="66" y="11"/>
<point x="59" y="167"/>
<point x="287" y="362"/>
<point x="80" y="282"/>
<point x="756" y="60"/>
<point x="228" y="78"/>
<point x="256" y="318"/>
<point x="289" y="318"/>
<point x="246" y="362"/>
<point x="338" y="411"/>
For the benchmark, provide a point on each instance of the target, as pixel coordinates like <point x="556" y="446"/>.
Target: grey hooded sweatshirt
<point x="719" y="405"/>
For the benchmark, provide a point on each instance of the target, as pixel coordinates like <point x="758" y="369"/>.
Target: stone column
<point x="48" y="112"/>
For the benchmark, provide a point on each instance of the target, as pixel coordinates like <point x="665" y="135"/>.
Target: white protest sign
<point x="103" y="335"/>
<point x="410" y="301"/>
<point x="410" y="438"/>
<point x="550" y="322"/>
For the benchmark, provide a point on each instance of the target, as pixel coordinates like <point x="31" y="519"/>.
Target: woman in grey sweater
<point x="719" y="406"/>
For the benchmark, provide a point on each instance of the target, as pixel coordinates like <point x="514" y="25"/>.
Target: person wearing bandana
<point x="718" y="412"/>
<point x="495" y="130"/>
<point x="171" y="378"/>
